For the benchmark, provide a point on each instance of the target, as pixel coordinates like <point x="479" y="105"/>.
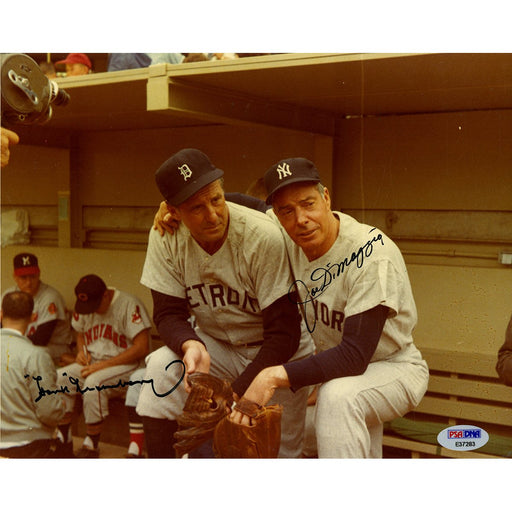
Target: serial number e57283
<point x="460" y="444"/>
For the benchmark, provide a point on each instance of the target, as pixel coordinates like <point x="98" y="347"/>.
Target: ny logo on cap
<point x="25" y="260"/>
<point x="185" y="171"/>
<point x="284" y="170"/>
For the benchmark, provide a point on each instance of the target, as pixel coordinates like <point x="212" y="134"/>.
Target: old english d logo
<point x="185" y="171"/>
<point x="284" y="170"/>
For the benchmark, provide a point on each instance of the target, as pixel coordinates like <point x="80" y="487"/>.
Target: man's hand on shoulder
<point x="164" y="220"/>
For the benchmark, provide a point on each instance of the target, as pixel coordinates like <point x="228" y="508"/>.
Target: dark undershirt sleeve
<point x="361" y="334"/>
<point x="43" y="333"/>
<point x="281" y="331"/>
<point x="171" y="317"/>
<point x="251" y="202"/>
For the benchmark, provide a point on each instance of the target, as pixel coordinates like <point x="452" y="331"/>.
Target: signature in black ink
<point x="325" y="276"/>
<point x="120" y="384"/>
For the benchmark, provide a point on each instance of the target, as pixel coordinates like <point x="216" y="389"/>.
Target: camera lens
<point x="58" y="96"/>
<point x="62" y="98"/>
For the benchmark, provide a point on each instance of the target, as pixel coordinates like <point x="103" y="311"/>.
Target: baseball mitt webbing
<point x="209" y="401"/>
<point x="260" y="440"/>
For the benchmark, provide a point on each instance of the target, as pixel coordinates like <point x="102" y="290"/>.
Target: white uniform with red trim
<point x="110" y="334"/>
<point x="106" y="335"/>
<point x="48" y="306"/>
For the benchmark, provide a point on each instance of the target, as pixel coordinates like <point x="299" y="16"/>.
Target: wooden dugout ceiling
<point x="306" y="92"/>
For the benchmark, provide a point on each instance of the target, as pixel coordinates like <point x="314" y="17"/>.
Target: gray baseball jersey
<point x="226" y="291"/>
<point x="363" y="268"/>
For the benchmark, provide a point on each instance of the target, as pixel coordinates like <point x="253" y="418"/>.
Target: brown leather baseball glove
<point x="260" y="440"/>
<point x="209" y="400"/>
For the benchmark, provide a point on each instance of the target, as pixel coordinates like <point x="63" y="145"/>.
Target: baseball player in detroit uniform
<point x="359" y="307"/>
<point x="112" y="341"/>
<point x="227" y="265"/>
<point x="50" y="327"/>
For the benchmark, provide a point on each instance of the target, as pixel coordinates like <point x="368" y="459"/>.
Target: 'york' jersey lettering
<point x="330" y="318"/>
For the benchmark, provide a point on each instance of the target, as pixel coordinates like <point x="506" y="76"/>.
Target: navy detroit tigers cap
<point x="288" y="171"/>
<point x="184" y="173"/>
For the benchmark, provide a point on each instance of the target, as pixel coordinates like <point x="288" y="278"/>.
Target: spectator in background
<point x="27" y="425"/>
<point x="166" y="58"/>
<point x="76" y="64"/>
<point x="195" y="57"/>
<point x="244" y="55"/>
<point x="504" y="366"/>
<point x="224" y="56"/>
<point x="50" y="327"/>
<point x="48" y="68"/>
<point x="120" y="61"/>
<point x="8" y="138"/>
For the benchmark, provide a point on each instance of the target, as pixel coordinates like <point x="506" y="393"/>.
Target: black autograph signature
<point x="120" y="384"/>
<point x="325" y="276"/>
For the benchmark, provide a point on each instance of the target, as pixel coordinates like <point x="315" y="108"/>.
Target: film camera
<point x="27" y="93"/>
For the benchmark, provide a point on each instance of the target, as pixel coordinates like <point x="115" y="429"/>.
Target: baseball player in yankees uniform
<point x="112" y="341"/>
<point x="50" y="327"/>
<point x="227" y="265"/>
<point x="358" y="304"/>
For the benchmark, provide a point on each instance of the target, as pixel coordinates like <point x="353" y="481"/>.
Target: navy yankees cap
<point x="184" y="173"/>
<point x="288" y="171"/>
<point x="25" y="264"/>
<point x="89" y="292"/>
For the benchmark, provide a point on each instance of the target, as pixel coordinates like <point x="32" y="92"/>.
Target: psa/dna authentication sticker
<point x="463" y="437"/>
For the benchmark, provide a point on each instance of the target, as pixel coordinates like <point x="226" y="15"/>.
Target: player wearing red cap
<point x="50" y="327"/>
<point x="76" y="64"/>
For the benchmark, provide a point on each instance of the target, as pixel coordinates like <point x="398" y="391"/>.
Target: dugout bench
<point x="463" y="389"/>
